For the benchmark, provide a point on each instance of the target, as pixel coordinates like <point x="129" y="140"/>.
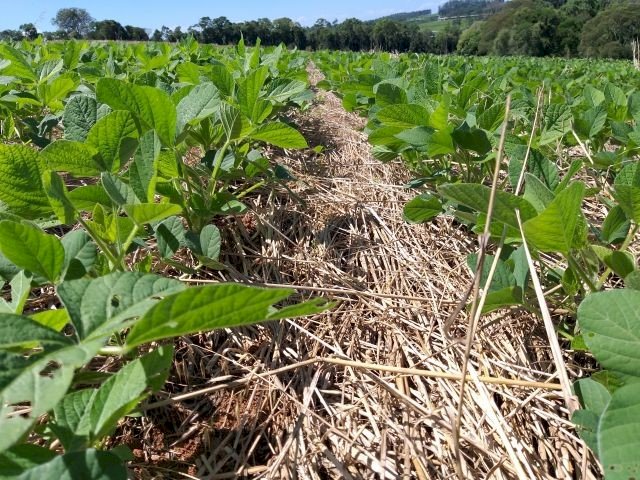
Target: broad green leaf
<point x="151" y="105"/>
<point x="28" y="379"/>
<point x="21" y="187"/>
<point x="594" y="398"/>
<point x="593" y="96"/>
<point x="537" y="193"/>
<point x="80" y="115"/>
<point x="75" y="158"/>
<point x="616" y="226"/>
<point x="591" y="122"/>
<point x="22" y="457"/>
<point x="201" y="309"/>
<point x="404" y="116"/>
<point x="72" y="423"/>
<point x="52" y="93"/>
<point x="500" y="299"/>
<point x="79" y="254"/>
<point x="54" y="319"/>
<point x="103" y="303"/>
<point x="390" y="94"/>
<point x="20" y="290"/>
<point x="210" y="242"/>
<point x="619" y="434"/>
<point x="559" y="228"/>
<point x="118" y="191"/>
<point x="477" y="197"/>
<point x="422" y="209"/>
<point x="31" y="249"/>
<point x="58" y="196"/>
<point x="19" y="67"/>
<point x="282" y="90"/>
<point x="86" y="464"/>
<point x="503" y="277"/>
<point x="556" y="123"/>
<point x="16" y="330"/>
<point x="170" y="236"/>
<point x="120" y="394"/>
<point x="610" y="322"/>
<point x="87" y="197"/>
<point x="113" y="136"/>
<point x="474" y="139"/>
<point x="628" y="198"/>
<point x="202" y="102"/>
<point x="144" y="213"/>
<point x="280" y="135"/>
<point x="143" y="172"/>
<point x="249" y="94"/>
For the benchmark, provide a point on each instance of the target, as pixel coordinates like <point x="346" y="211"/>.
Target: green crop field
<point x="119" y="161"/>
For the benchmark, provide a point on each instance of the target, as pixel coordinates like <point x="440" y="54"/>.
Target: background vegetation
<point x="568" y="28"/>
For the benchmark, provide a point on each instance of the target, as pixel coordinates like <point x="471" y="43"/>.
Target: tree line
<point x="590" y="28"/>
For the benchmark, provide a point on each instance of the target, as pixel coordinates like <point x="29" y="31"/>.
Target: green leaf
<point x="616" y="226"/>
<point x="628" y="198"/>
<point x="113" y="135"/>
<point x="80" y="115"/>
<point x="559" y="228"/>
<point x="619" y="434"/>
<point x="119" y="395"/>
<point x="474" y="139"/>
<point x="143" y="172"/>
<point x="86" y="464"/>
<point x="280" y="135"/>
<point x="556" y="123"/>
<point x="19" y="67"/>
<point x="20" y="290"/>
<point x="537" y="193"/>
<point x="201" y="309"/>
<point x="102" y="304"/>
<point x="151" y="105"/>
<point x="72" y="157"/>
<point x="210" y="242"/>
<point x="500" y="299"/>
<point x="422" y="209"/>
<point x="170" y="236"/>
<point x="21" y="188"/>
<point x="54" y="319"/>
<point x="80" y="254"/>
<point x="119" y="192"/>
<point x="31" y="249"/>
<point x="594" y="398"/>
<point x="249" y="94"/>
<point x="58" y="196"/>
<point x="591" y="122"/>
<point x="404" y="116"/>
<point x="144" y="213"/>
<point x="202" y="102"/>
<point x="26" y="380"/>
<point x="87" y="197"/>
<point x="23" y="457"/>
<point x="390" y="94"/>
<point x="477" y="197"/>
<point x="16" y="330"/>
<point x="610" y="322"/>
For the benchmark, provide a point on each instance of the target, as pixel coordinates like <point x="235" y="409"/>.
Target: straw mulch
<point x="339" y="232"/>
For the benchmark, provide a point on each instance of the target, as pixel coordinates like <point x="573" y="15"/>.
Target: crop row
<point x="568" y="193"/>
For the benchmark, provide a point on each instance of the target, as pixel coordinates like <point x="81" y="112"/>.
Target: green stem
<point x="581" y="273"/>
<point x="251" y="189"/>
<point x="103" y="246"/>
<point x="218" y="163"/>
<point x="627" y="241"/>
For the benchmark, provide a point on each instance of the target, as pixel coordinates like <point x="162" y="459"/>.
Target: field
<point x="261" y="263"/>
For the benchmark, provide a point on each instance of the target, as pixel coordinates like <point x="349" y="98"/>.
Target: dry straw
<point x="370" y="389"/>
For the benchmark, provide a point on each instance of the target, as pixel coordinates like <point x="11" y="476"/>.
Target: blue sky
<point x="155" y="13"/>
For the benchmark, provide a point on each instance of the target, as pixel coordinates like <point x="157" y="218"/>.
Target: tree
<point x="610" y="32"/>
<point x="29" y="31"/>
<point x="76" y="22"/>
<point x="108" y="30"/>
<point x="136" y="33"/>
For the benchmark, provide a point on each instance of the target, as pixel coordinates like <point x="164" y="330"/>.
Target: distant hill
<point x="411" y="17"/>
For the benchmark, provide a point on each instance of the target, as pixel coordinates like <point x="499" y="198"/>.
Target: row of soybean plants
<point x="572" y="140"/>
<point x="95" y="193"/>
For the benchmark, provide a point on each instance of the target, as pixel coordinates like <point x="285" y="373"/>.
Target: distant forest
<point x="567" y="28"/>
